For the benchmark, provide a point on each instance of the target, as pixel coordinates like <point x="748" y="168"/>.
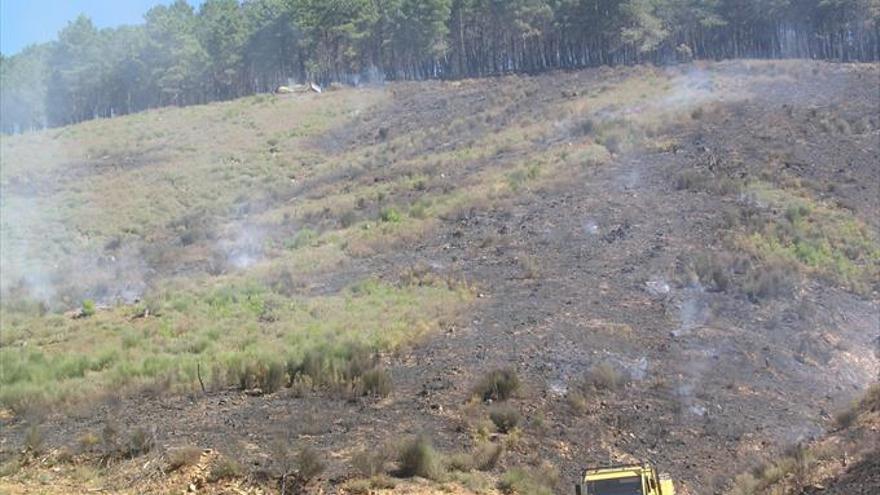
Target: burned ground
<point x="625" y="271"/>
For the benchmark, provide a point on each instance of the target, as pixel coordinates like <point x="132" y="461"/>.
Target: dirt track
<point x="718" y="382"/>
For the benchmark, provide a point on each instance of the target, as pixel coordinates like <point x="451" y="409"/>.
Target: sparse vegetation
<point x="813" y="237"/>
<point x="296" y="252"/>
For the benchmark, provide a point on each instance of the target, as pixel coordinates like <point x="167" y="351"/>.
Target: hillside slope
<point x="678" y="265"/>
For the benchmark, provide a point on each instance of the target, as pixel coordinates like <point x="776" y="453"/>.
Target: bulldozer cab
<point x="624" y="480"/>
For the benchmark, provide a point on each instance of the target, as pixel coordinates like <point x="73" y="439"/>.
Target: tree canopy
<point x="230" y="48"/>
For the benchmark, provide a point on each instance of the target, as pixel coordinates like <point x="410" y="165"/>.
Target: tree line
<point x="229" y="48"/>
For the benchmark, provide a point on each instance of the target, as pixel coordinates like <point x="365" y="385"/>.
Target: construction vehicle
<point x="633" y="479"/>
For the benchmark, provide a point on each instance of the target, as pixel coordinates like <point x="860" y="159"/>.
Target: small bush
<point x="276" y="377"/>
<point x="88" y="308"/>
<point x="577" y="401"/>
<point x="390" y="215"/>
<point x="606" y="376"/>
<point x="690" y="180"/>
<point x="499" y="384"/>
<point x="182" y="457"/>
<point x="376" y="382"/>
<point x="712" y="273"/>
<point x="871" y="400"/>
<point x="371" y="462"/>
<point x="461" y="462"/>
<point x="418" y="457"/>
<point x="529" y="267"/>
<point x="10" y="466"/>
<point x="505" y="418"/>
<point x="530" y="481"/>
<point x="358" y="487"/>
<point x="139" y="443"/>
<point x="34" y="440"/>
<point x="584" y="127"/>
<point x="483" y="458"/>
<point x="767" y="284"/>
<point x="744" y="484"/>
<point x="486" y="456"/>
<point x="309" y="463"/>
<point x="88" y="441"/>
<point x="224" y="468"/>
<point x="348" y="219"/>
<point x="846" y="418"/>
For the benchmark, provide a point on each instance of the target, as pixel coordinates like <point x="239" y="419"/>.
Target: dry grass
<point x="539" y="480"/>
<point x="498" y="384"/>
<point x="224" y="468"/>
<point x="505" y="417"/>
<point x="417" y="457"/>
<point x="182" y="457"/>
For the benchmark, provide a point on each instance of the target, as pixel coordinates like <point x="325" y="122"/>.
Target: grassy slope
<point x="227" y="212"/>
<point x="161" y="190"/>
<point x="172" y="199"/>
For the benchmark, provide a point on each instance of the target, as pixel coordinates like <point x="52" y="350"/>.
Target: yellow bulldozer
<point x="633" y="479"/>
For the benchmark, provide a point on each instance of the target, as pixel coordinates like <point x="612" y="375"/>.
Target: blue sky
<point x="24" y="22"/>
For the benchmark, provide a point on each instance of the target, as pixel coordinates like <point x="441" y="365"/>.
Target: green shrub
<point x="417" y="457"/>
<point x="390" y="215"/>
<point x="88" y="308"/>
<point x="498" y="384"/>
